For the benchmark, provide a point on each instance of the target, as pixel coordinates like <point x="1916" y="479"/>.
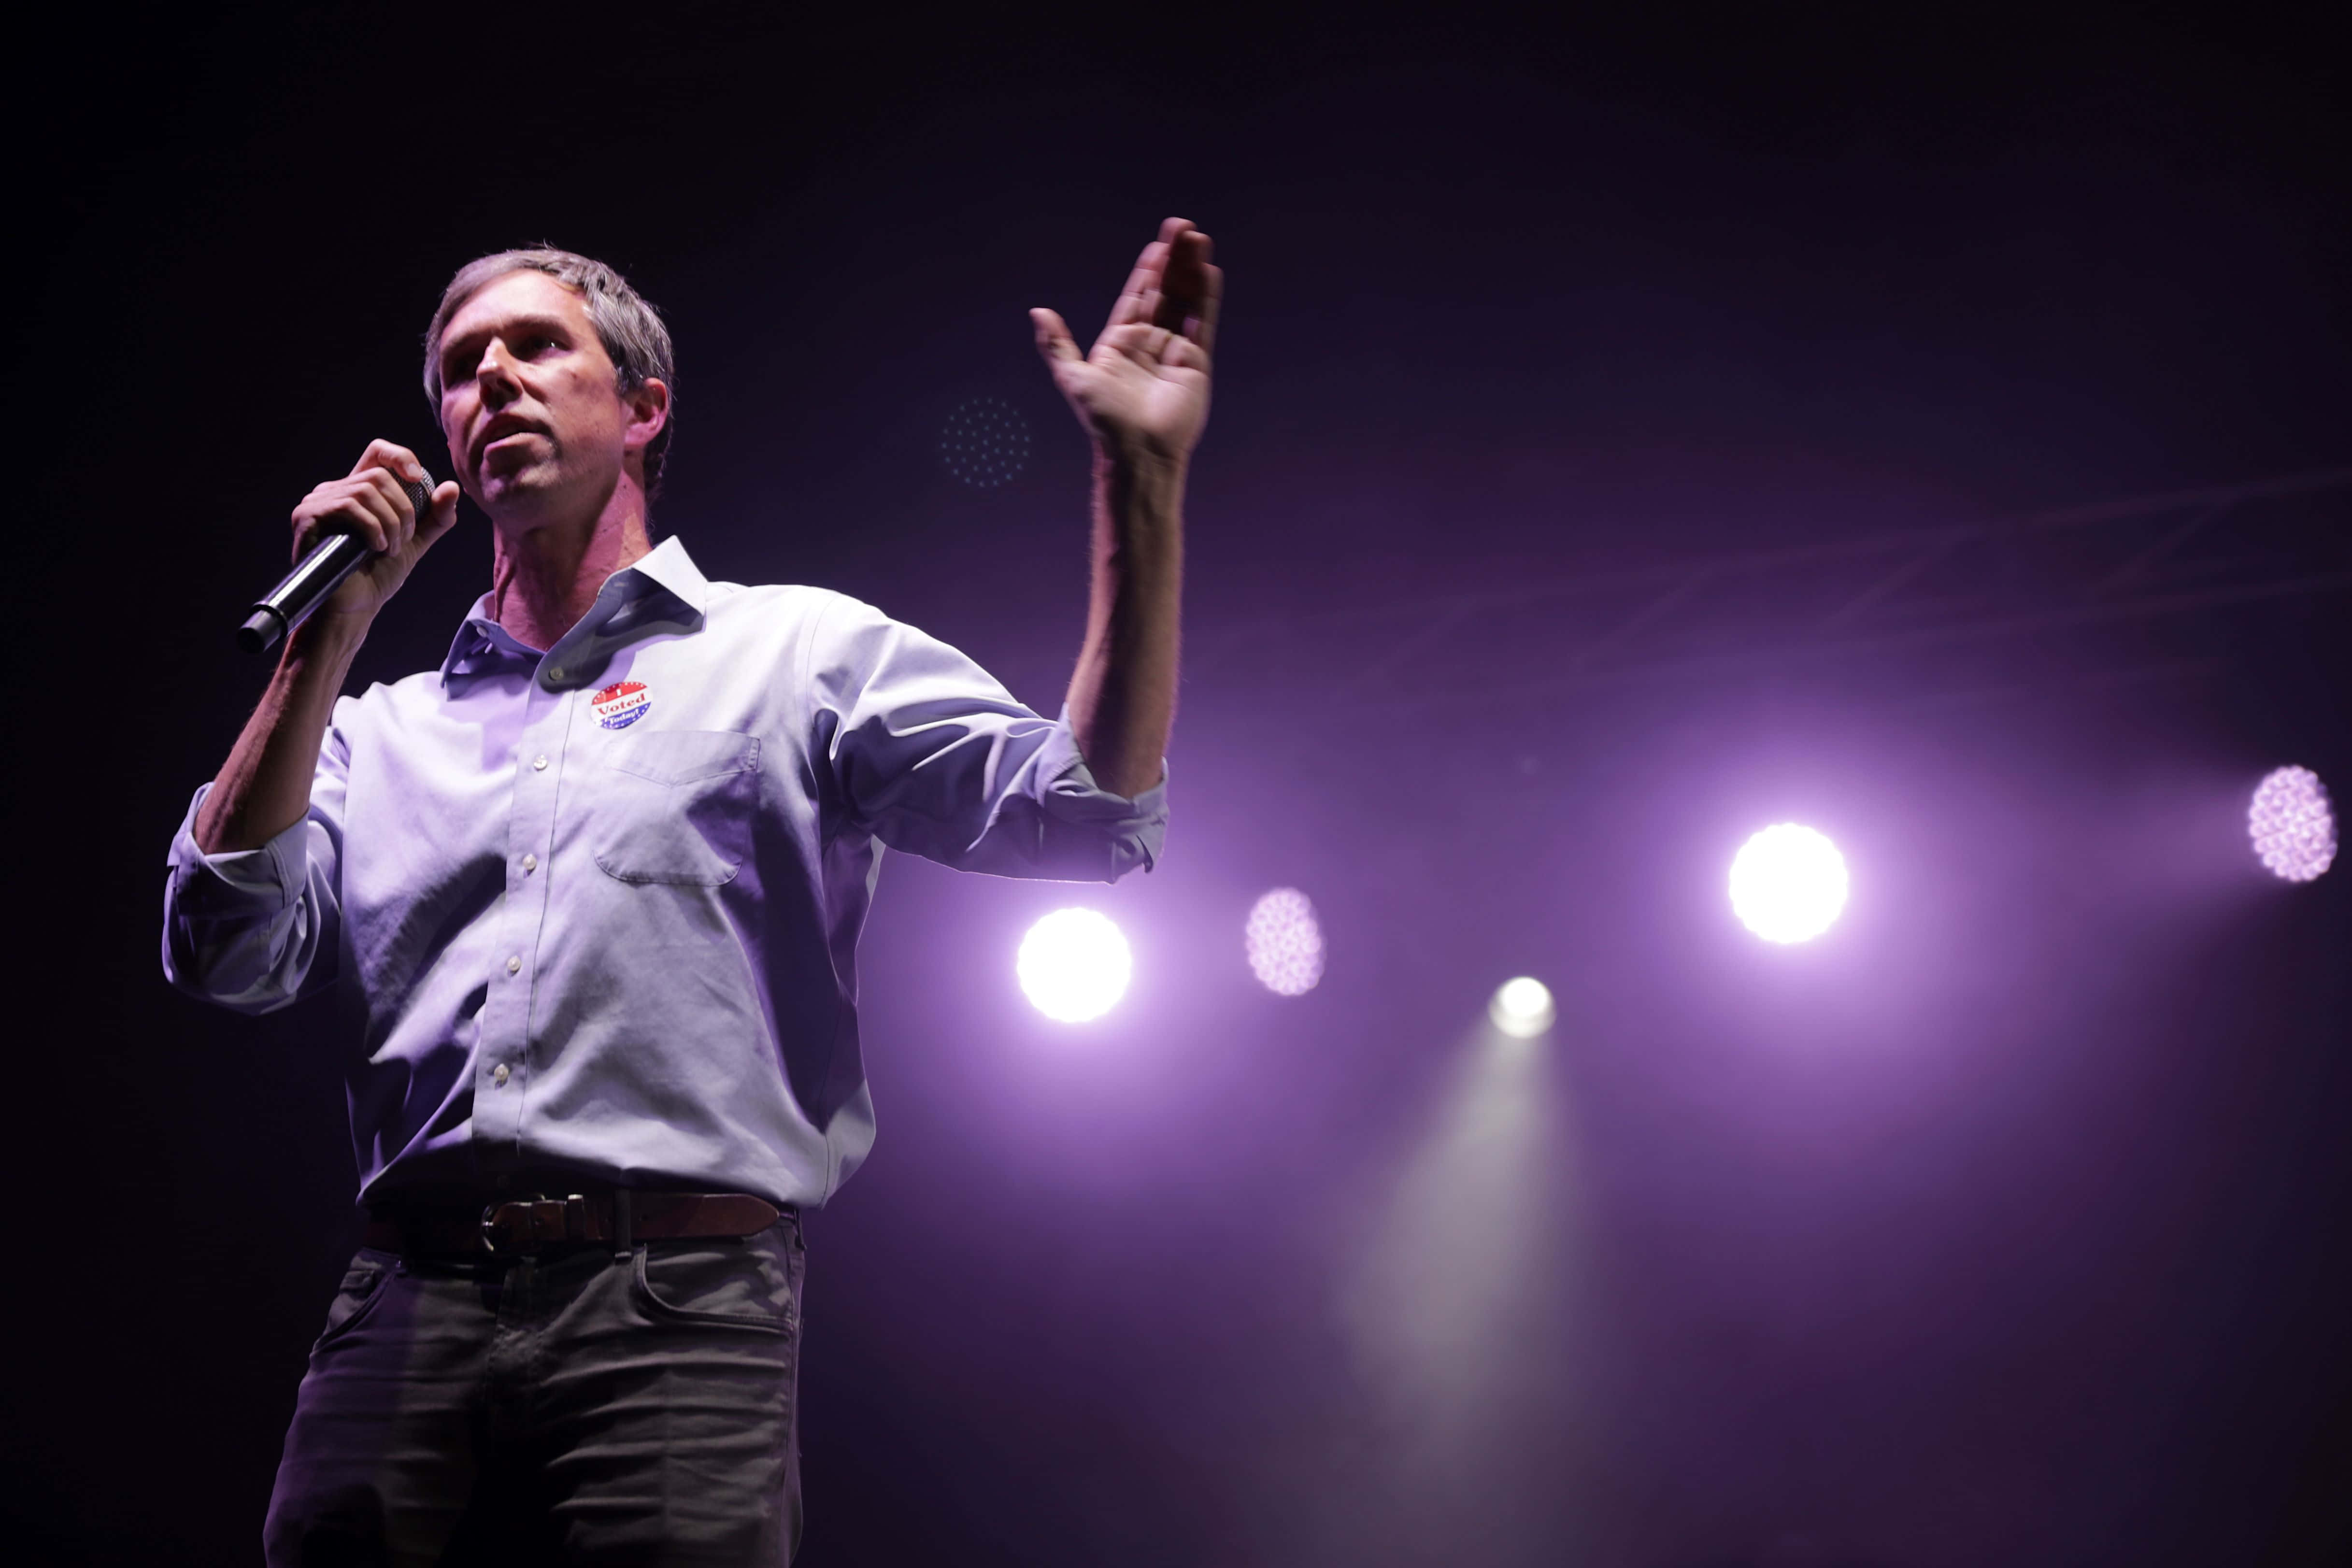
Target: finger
<point x="1203" y="328"/>
<point x="1148" y="306"/>
<point x="368" y="509"/>
<point x="343" y="506"/>
<point x="393" y="458"/>
<point x="387" y="488"/>
<point x="444" y="514"/>
<point x="1053" y="340"/>
<point x="1150" y="268"/>
<point x="1191" y="282"/>
<point x="308" y="525"/>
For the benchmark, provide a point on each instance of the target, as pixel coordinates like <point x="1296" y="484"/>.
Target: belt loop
<point x="624" y="1240"/>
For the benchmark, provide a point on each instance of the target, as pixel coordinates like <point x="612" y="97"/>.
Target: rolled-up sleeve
<point x="928" y="752"/>
<point x="253" y="930"/>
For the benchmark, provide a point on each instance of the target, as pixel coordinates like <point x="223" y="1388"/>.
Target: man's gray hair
<point x="628" y="325"/>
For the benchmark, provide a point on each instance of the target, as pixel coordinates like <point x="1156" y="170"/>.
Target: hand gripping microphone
<point x="333" y="558"/>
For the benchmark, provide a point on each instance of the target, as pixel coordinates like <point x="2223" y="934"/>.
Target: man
<point x="591" y="894"/>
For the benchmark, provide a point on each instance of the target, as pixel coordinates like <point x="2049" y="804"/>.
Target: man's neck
<point x="544" y="579"/>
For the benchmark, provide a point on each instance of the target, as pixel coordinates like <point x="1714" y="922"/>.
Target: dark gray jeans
<point x="574" y="1408"/>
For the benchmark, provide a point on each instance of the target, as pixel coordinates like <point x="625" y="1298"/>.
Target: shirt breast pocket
<point x="674" y="805"/>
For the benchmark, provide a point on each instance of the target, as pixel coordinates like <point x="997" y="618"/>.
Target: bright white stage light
<point x="1074" y="965"/>
<point x="1285" y="943"/>
<point x="1788" y="883"/>
<point x="2292" y="824"/>
<point x="1522" y="1008"/>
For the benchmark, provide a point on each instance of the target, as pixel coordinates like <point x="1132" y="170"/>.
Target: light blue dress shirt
<point x="595" y="911"/>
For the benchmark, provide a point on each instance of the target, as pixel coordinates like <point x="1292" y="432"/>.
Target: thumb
<point x="1053" y="340"/>
<point x="443" y="515"/>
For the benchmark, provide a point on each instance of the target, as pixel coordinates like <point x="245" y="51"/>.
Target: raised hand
<point x="1142" y="391"/>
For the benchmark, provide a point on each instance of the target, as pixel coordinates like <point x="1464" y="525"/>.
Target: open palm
<point x="1142" y="391"/>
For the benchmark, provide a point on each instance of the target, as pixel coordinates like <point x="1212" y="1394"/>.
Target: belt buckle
<point x="532" y="1241"/>
<point x="490" y="1222"/>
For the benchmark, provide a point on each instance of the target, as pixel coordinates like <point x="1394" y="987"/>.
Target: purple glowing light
<point x="1074" y="965"/>
<point x="1285" y="943"/>
<point x="2292" y="824"/>
<point x="1788" y="883"/>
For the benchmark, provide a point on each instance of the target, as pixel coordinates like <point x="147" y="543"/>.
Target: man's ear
<point x="648" y="407"/>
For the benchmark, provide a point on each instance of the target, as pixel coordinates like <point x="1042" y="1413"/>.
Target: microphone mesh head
<point x="420" y="496"/>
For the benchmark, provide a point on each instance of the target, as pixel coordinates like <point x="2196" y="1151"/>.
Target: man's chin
<point x="516" y="488"/>
<point x="534" y="499"/>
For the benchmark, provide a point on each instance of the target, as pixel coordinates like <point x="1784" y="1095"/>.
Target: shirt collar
<point x="663" y="591"/>
<point x="671" y="569"/>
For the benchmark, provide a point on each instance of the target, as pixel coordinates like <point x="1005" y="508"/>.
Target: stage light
<point x="1522" y="1008"/>
<point x="1285" y="943"/>
<point x="985" y="442"/>
<point x="1788" y="883"/>
<point x="2292" y="824"/>
<point x="1074" y="965"/>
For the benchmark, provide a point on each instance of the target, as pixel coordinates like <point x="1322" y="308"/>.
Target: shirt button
<point x="531" y="862"/>
<point x="514" y="966"/>
<point x="540" y="762"/>
<point x="558" y="673"/>
<point x="498" y="1074"/>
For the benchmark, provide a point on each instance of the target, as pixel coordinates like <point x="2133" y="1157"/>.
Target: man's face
<point x="530" y="404"/>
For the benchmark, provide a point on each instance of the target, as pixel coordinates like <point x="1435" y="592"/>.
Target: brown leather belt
<point x="620" y="1218"/>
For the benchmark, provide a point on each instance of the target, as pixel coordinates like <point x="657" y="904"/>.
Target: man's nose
<point x="495" y="376"/>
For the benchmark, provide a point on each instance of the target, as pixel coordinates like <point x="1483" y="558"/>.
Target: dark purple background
<point x="2007" y="1224"/>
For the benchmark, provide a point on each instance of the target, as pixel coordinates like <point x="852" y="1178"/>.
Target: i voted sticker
<point x="621" y="704"/>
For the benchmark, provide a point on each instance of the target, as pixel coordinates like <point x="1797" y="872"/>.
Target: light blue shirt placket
<point x="502" y="1053"/>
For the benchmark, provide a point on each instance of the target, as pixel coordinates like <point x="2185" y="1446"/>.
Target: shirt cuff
<point x="269" y="877"/>
<point x="1068" y="793"/>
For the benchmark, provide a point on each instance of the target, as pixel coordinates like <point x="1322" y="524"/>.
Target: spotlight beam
<point x="1455" y="1308"/>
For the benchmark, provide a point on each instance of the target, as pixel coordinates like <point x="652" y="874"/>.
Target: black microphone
<point x="333" y="558"/>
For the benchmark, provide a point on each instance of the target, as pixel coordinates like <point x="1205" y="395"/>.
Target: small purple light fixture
<point x="1285" y="943"/>
<point x="1788" y="883"/>
<point x="985" y="442"/>
<point x="2292" y="826"/>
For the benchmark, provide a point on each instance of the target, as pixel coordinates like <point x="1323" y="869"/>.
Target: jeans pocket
<point x="731" y="1284"/>
<point x="364" y="1284"/>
